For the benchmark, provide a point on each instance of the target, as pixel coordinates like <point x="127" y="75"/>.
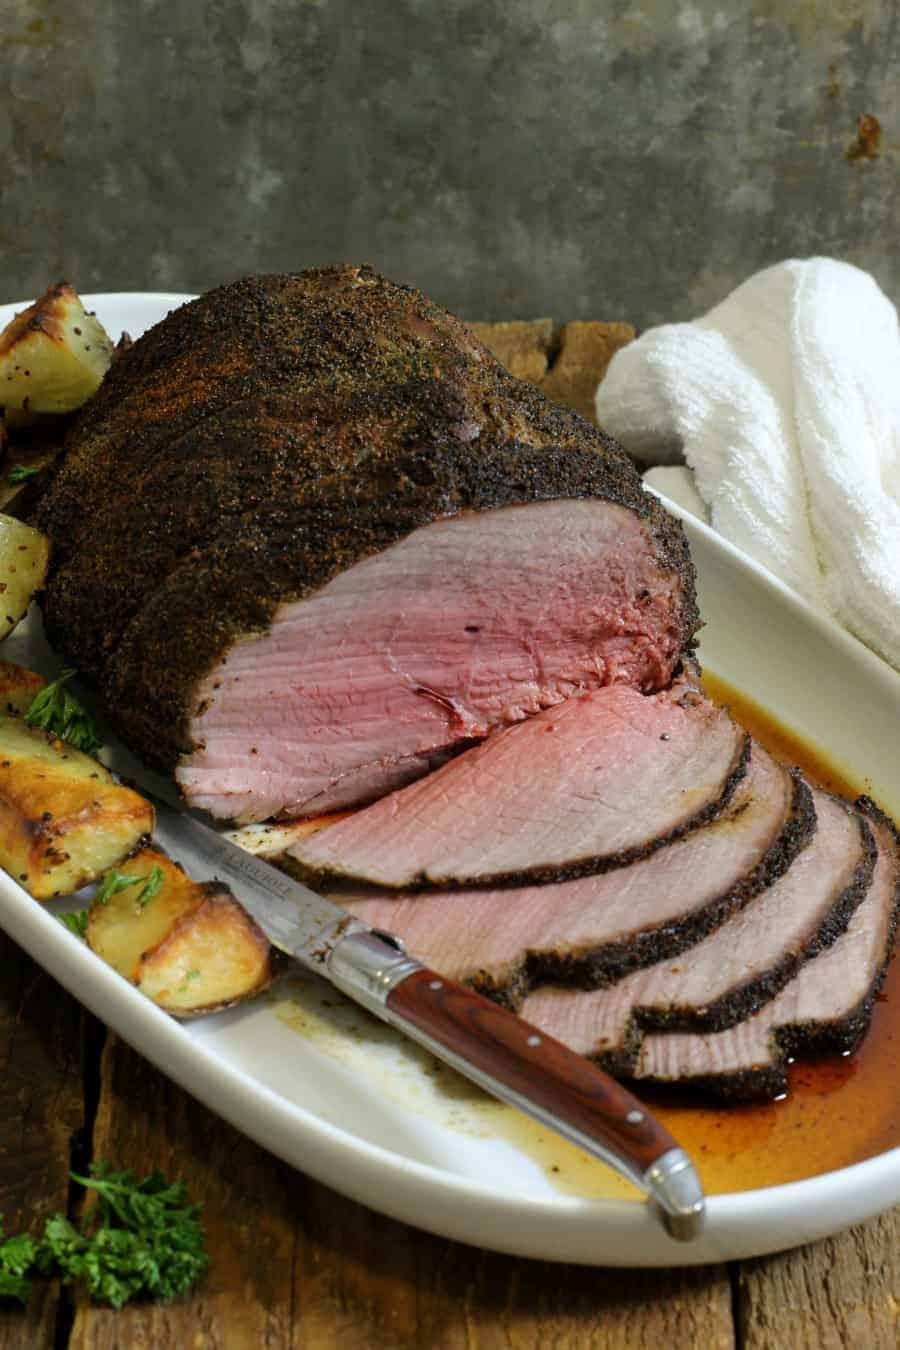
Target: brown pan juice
<point x="838" y="1110"/>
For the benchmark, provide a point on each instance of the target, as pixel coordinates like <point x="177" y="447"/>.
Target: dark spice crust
<point x="266" y="437"/>
<point x="289" y="549"/>
<point x="744" y="1000"/>
<point x="807" y="1040"/>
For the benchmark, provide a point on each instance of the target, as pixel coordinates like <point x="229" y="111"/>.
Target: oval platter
<point x="343" y="1098"/>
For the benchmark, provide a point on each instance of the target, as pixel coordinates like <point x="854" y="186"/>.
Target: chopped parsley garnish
<point x="75" y="921"/>
<point x="155" y="879"/>
<point x="58" y="711"/>
<point x="115" y="881"/>
<point x="19" y="472"/>
<point x="140" y="1237"/>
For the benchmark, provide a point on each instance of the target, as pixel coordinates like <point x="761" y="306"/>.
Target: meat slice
<point x="595" y="929"/>
<point x="730" y="974"/>
<point x="593" y="783"/>
<point x="825" y="1009"/>
<point x="310" y="534"/>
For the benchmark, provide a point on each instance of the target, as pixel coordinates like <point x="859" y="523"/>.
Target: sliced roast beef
<point x="466" y="625"/>
<point x="592" y="783"/>
<point x="826" y="1008"/>
<point x="310" y="534"/>
<point x="595" y="929"/>
<point x="730" y="974"/>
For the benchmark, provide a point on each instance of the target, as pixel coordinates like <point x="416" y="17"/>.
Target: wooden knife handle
<point x="566" y="1088"/>
<point x="519" y="1064"/>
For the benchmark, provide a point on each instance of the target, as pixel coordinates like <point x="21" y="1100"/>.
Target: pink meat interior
<point x="596" y="778"/>
<point x="467" y="624"/>
<point x="826" y="990"/>
<point x="492" y="932"/>
<point x="757" y="939"/>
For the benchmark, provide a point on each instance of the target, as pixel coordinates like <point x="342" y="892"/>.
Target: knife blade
<point x="501" y="1052"/>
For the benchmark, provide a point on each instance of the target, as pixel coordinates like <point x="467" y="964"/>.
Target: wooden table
<point x="296" y="1267"/>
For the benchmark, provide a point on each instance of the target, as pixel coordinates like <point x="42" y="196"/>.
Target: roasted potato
<point x="190" y="947"/>
<point x="64" y="821"/>
<point x="53" y="356"/>
<point x="18" y="686"/>
<point x="24" y="554"/>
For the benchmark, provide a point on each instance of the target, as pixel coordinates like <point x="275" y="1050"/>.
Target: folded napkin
<point x="784" y="401"/>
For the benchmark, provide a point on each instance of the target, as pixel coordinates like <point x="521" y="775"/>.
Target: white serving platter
<point x="344" y="1099"/>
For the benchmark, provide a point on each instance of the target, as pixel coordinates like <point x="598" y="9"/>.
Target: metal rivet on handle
<point x="436" y="984"/>
<point x="534" y="1040"/>
<point x="634" y="1117"/>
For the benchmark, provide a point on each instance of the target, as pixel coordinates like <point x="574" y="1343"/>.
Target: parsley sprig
<point x="115" y="881"/>
<point x="19" y="472"/>
<point x="17" y="1257"/>
<point x="55" y="709"/>
<point x="139" y="1237"/>
<point x="76" y="921"/>
<point x="155" y="880"/>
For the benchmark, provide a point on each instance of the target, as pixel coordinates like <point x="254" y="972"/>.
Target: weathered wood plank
<point x="842" y="1292"/>
<point x="568" y="366"/>
<point x="296" y="1267"/>
<point x="250" y="1202"/>
<point x="41" y="1105"/>
<point x="586" y="349"/>
<point x="522" y="345"/>
<point x="366" y="1283"/>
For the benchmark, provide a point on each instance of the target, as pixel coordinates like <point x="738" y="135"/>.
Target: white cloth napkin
<point x="784" y="401"/>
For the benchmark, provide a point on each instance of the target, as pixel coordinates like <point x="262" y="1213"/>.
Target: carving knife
<point x="499" y="1051"/>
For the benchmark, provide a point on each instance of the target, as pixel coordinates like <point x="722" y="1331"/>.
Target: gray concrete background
<point x="575" y="158"/>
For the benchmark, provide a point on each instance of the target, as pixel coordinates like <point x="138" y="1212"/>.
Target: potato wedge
<point x="192" y="949"/>
<point x="53" y="356"/>
<point x="64" y="821"/>
<point x="18" y="686"/>
<point x="123" y="928"/>
<point x="213" y="958"/>
<point x="270" y="840"/>
<point x="24" y="554"/>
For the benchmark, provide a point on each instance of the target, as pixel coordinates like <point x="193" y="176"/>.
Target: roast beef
<point x="597" y="928"/>
<point x="730" y="974"/>
<point x="466" y="625"/>
<point x="825" y="1009"/>
<point x="592" y="783"/>
<point x="310" y="535"/>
